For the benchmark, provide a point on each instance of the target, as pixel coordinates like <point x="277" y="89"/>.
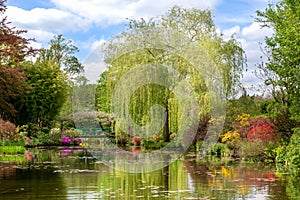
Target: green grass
<point x="6" y="142"/>
<point x="13" y="158"/>
<point x="12" y="150"/>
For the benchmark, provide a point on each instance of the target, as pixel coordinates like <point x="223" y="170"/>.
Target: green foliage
<point x="282" y="68"/>
<point x="251" y="150"/>
<point x="19" y="159"/>
<point x="12" y="149"/>
<point x="293" y="151"/>
<point x="252" y="105"/>
<point x="43" y="102"/>
<point x="103" y="96"/>
<point x="199" y="28"/>
<point x="83" y="97"/>
<point x="280" y="155"/>
<point x="150" y="144"/>
<point x="220" y="149"/>
<point x="292" y="187"/>
<point x="61" y="52"/>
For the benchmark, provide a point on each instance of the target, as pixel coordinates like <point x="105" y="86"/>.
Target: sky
<point x="89" y="23"/>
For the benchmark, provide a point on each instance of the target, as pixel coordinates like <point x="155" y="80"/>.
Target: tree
<point x="13" y="50"/>
<point x="41" y="105"/>
<point x="103" y="97"/>
<point x="283" y="64"/>
<point x="61" y="52"/>
<point x="198" y="27"/>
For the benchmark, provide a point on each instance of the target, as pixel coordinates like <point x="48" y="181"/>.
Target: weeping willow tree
<point x="133" y="49"/>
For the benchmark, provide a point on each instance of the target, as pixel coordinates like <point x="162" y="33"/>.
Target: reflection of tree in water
<point x="228" y="182"/>
<point x="33" y="183"/>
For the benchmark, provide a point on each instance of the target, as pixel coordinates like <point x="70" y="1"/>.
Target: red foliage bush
<point x="7" y="129"/>
<point x="258" y="128"/>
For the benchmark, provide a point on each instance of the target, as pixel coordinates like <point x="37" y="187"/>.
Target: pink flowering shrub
<point x="65" y="140"/>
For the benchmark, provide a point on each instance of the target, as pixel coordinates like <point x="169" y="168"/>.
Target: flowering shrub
<point x="243" y="119"/>
<point x="77" y="140"/>
<point x="231" y="136"/>
<point x="136" y="140"/>
<point x="7" y="129"/>
<point x="65" y="140"/>
<point x="106" y="120"/>
<point x="254" y="129"/>
<point x="260" y="132"/>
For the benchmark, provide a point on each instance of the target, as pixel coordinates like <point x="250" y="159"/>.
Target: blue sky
<point x="90" y="22"/>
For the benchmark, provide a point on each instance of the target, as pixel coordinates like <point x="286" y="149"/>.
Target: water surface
<point x="63" y="174"/>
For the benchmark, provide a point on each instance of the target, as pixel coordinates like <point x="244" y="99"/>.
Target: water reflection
<point x="69" y="174"/>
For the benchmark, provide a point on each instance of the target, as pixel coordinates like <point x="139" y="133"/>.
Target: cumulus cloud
<point x="39" y="35"/>
<point x="105" y="12"/>
<point x="255" y="32"/>
<point x="94" y="64"/>
<point x="227" y="33"/>
<point x="52" y="20"/>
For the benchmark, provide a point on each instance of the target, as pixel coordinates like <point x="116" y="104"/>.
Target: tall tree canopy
<point x="197" y="27"/>
<point x="283" y="51"/>
<point x="42" y="103"/>
<point x="61" y="52"/>
<point x="13" y="50"/>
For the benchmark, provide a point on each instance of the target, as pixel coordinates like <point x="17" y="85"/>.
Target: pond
<point x="63" y="173"/>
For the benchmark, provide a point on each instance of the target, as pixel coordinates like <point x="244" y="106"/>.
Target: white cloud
<point x="254" y="32"/>
<point x="97" y="44"/>
<point x="94" y="64"/>
<point x="46" y="19"/>
<point x="227" y="33"/>
<point x="92" y="70"/>
<point x="105" y="12"/>
<point x="39" y="35"/>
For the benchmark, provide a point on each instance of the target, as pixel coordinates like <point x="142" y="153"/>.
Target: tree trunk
<point x="166" y="132"/>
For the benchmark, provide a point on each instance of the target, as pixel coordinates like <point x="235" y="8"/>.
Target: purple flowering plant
<point x="65" y="140"/>
<point x="77" y="140"/>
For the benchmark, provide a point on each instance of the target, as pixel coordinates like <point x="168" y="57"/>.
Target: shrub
<point x="156" y="137"/>
<point x="106" y="120"/>
<point x="251" y="150"/>
<point x="256" y="128"/>
<point x="220" y="149"/>
<point x="72" y="133"/>
<point x="231" y="138"/>
<point x="7" y="129"/>
<point x="293" y="151"/>
<point x="65" y="140"/>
